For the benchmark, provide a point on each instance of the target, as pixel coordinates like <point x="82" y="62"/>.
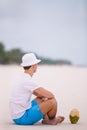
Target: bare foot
<point x="60" y="119"/>
<point x="54" y="121"/>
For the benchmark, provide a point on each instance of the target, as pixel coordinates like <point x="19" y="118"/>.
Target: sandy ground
<point x="68" y="83"/>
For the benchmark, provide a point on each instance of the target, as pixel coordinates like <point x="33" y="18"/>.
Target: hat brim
<point x="29" y="64"/>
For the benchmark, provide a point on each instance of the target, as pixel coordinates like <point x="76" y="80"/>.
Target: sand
<point x="68" y="83"/>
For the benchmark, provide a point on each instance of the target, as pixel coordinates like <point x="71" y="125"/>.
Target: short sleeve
<point x="30" y="84"/>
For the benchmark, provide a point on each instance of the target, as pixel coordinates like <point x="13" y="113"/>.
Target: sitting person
<point x="24" y="110"/>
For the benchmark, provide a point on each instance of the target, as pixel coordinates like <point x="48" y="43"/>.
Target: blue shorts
<point x="31" y="115"/>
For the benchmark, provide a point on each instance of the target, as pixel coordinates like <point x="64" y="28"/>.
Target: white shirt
<point x="20" y="99"/>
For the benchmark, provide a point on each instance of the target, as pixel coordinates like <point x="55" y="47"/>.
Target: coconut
<point x="74" y="116"/>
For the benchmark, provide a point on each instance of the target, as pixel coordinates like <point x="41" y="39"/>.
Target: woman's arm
<point x="43" y="93"/>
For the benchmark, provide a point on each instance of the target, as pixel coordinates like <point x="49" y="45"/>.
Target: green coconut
<point x="74" y="119"/>
<point x="74" y="116"/>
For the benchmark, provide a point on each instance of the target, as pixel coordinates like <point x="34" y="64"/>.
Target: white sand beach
<point x="68" y="83"/>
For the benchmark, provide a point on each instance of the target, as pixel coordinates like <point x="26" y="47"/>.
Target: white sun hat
<point x="29" y="59"/>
